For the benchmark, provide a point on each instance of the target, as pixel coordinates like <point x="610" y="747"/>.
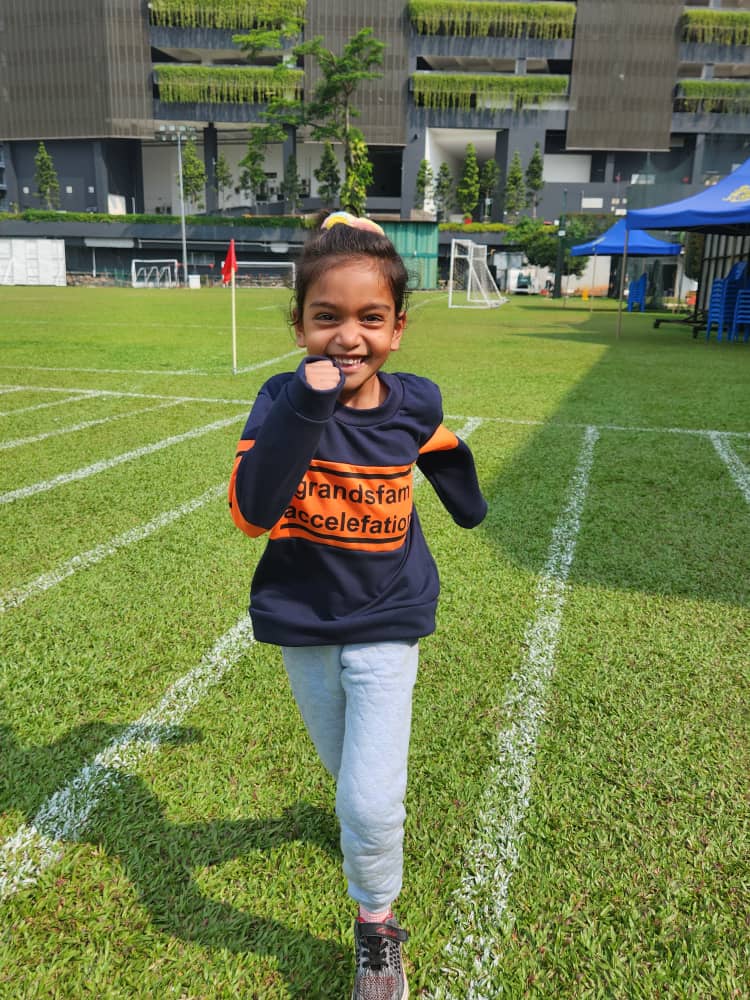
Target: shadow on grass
<point x="662" y="513"/>
<point x="160" y="858"/>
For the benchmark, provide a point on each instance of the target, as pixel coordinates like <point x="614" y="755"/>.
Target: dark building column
<point x="101" y="177"/>
<point x="11" y="178"/>
<point x="700" y="149"/>
<point x="210" y="155"/>
<point x="411" y="156"/>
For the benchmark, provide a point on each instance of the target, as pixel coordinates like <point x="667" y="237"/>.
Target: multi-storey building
<point x="632" y="102"/>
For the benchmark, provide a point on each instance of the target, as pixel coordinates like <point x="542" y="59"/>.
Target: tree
<point x="223" y="179"/>
<point x="291" y="186"/>
<point x="193" y="174"/>
<point x="268" y="38"/>
<point x="358" y="175"/>
<point x="694" y="255"/>
<point x="425" y="182"/>
<point x="534" y="179"/>
<point x="45" y="178"/>
<point x="489" y="181"/>
<point x="540" y="243"/>
<point x="329" y="110"/>
<point x="252" y="179"/>
<point x="467" y="189"/>
<point x="328" y="176"/>
<point x="443" y="191"/>
<point x="515" y="189"/>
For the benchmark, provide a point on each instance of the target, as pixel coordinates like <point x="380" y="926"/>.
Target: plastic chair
<point x="637" y="293"/>
<point x="741" y="316"/>
<point x="716" y="307"/>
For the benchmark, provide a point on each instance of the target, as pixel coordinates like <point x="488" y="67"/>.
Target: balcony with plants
<point x="221" y="93"/>
<point x="489" y="27"/>
<point x="710" y="35"/>
<point x="489" y="100"/>
<point x="712" y="106"/>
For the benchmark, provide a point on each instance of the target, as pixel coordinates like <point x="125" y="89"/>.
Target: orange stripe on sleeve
<point x="441" y="440"/>
<point x="253" y="530"/>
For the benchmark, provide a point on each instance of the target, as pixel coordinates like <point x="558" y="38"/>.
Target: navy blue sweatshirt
<point x="346" y="560"/>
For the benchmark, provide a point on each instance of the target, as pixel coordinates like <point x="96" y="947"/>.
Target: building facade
<point x="630" y="103"/>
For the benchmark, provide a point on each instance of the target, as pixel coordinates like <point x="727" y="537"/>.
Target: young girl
<point x="346" y="585"/>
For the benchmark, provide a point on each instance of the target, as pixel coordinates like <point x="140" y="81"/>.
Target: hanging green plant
<point x="227" y="84"/>
<point x="719" y="96"/>
<point x="716" y="27"/>
<point x="463" y="91"/>
<point x="483" y="18"/>
<point x="224" y="13"/>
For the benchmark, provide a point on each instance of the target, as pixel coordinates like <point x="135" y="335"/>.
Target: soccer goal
<point x="265" y="274"/>
<point x="153" y="273"/>
<point x="470" y="283"/>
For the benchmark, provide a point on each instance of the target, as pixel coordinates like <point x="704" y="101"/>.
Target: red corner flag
<point x="229" y="267"/>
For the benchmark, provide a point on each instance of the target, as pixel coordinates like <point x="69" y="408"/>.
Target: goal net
<point x="153" y="273"/>
<point x="470" y="283"/>
<point x="265" y="274"/>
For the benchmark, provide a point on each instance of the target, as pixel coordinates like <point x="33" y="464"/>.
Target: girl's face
<point x="349" y="316"/>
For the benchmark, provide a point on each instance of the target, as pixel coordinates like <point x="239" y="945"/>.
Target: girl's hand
<point x="322" y="375"/>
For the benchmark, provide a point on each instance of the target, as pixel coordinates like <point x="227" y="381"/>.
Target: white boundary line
<point x="624" y="428"/>
<point x="83" y="394"/>
<point x="737" y="469"/>
<point x="481" y="902"/>
<point x="18" y="595"/>
<point x="64" y="816"/>
<point x="110" y="463"/>
<point x="144" y="371"/>
<point x="35" y="438"/>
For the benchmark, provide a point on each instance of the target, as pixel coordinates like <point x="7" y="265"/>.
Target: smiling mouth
<point x="348" y="362"/>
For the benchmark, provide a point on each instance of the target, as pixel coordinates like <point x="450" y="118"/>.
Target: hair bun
<point x="347" y="219"/>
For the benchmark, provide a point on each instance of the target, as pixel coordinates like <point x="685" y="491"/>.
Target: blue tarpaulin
<point x="723" y="207"/>
<point x="612" y="243"/>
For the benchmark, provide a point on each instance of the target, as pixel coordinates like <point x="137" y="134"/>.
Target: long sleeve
<point x="448" y="464"/>
<point x="279" y="440"/>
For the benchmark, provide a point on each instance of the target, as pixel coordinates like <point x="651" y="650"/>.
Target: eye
<point x="373" y="318"/>
<point x="324" y="317"/>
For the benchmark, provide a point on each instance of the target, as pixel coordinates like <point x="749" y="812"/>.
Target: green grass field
<point x="578" y="821"/>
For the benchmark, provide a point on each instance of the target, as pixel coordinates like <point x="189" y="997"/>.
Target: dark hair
<point x="330" y="247"/>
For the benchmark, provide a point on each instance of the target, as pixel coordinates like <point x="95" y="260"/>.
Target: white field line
<point x="737" y="469"/>
<point x="481" y="903"/>
<point x="18" y="595"/>
<point x="271" y="361"/>
<point x="34" y="439"/>
<point x="133" y="371"/>
<point x="83" y="394"/>
<point x="625" y="428"/>
<point x="110" y="463"/>
<point x="121" y="394"/>
<point x="10" y="388"/>
<point x="64" y="816"/>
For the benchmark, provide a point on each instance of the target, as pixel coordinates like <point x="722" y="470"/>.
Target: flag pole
<point x="622" y="283"/>
<point x="234" y="329"/>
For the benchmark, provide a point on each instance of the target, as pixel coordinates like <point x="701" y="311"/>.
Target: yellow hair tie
<point x="347" y="219"/>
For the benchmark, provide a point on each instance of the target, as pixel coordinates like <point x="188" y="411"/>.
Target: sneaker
<point x="380" y="972"/>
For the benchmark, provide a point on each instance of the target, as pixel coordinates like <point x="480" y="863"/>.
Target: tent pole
<point x="622" y="283"/>
<point x="593" y="283"/>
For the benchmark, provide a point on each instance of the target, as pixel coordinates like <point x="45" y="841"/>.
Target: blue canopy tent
<point x="722" y="208"/>
<point x="616" y="242"/>
<point x="612" y="244"/>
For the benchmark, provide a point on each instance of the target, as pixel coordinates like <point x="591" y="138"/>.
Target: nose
<point x="347" y="334"/>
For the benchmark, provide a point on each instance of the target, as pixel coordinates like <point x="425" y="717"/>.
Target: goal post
<point x="153" y="273"/>
<point x="470" y="282"/>
<point x="266" y="274"/>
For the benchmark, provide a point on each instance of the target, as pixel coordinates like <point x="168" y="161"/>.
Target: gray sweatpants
<point x="356" y="703"/>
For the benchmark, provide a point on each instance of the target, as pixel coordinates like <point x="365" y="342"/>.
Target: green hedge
<point x="723" y="96"/>
<point x="224" y="13"/>
<point x="718" y="27"/>
<point x="227" y="84"/>
<point x="457" y="90"/>
<point x="264" y="221"/>
<point x="480" y="18"/>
